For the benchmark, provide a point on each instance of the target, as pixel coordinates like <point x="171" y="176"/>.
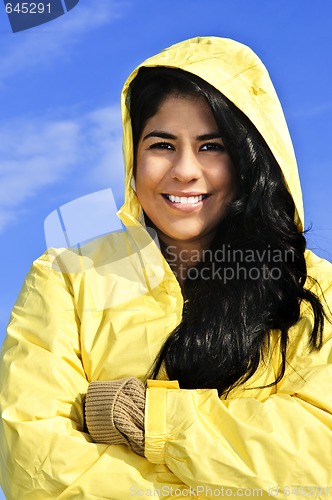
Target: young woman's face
<point x="184" y="176"/>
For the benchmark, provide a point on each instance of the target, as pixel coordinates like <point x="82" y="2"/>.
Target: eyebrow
<point x="166" y="135"/>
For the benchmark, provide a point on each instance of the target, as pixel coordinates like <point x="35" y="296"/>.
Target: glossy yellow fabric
<point x="103" y="313"/>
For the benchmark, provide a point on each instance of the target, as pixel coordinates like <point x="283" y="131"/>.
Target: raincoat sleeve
<point x="280" y="446"/>
<point x="45" y="452"/>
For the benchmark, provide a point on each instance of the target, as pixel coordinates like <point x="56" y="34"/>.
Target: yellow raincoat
<point x="103" y="313"/>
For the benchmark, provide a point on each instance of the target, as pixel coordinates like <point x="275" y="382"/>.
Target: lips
<point x="185" y="200"/>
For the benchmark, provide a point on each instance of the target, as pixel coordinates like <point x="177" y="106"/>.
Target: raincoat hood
<point x="236" y="71"/>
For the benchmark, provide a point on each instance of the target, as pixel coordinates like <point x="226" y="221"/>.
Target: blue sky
<point x="60" y="127"/>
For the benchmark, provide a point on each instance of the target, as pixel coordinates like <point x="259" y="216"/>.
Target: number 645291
<point x="28" y="8"/>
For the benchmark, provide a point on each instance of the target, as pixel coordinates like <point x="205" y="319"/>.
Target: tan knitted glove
<point x="114" y="412"/>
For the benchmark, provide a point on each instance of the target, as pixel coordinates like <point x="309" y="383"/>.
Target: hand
<point x="114" y="412"/>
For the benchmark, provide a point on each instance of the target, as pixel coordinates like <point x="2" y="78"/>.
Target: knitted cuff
<point x="129" y="409"/>
<point x="115" y="412"/>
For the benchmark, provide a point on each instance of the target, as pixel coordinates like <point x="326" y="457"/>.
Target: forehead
<point x="183" y="113"/>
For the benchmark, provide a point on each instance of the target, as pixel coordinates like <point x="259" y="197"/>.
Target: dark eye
<point x="162" y="145"/>
<point x="213" y="146"/>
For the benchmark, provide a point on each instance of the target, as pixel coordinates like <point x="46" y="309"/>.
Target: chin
<point x="182" y="236"/>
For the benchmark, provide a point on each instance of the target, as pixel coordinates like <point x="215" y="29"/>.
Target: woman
<point x="229" y="317"/>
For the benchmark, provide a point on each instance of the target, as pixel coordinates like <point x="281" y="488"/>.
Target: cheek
<point x="224" y="177"/>
<point x="146" y="183"/>
<point x="149" y="174"/>
<point x="141" y="176"/>
<point x="141" y="189"/>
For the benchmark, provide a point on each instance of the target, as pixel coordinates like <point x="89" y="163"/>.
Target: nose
<point x="186" y="166"/>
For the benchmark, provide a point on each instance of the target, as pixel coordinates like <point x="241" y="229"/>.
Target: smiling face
<point x="184" y="176"/>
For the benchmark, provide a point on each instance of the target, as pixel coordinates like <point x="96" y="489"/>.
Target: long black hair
<point x="249" y="288"/>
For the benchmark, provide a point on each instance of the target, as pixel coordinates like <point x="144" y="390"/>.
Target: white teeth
<point x="184" y="200"/>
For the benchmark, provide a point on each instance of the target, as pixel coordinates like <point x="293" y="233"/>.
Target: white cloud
<point x="106" y="134"/>
<point x="314" y="111"/>
<point x="40" y="152"/>
<point x="44" y="44"/>
<point x="92" y="14"/>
